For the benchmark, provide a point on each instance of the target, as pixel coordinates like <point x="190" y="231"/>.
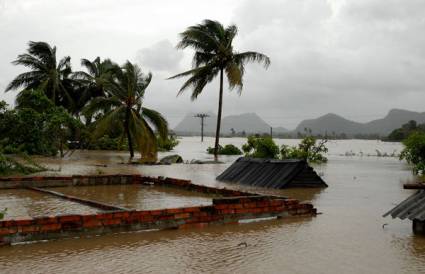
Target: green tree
<point x="93" y="82"/>
<point x="124" y="109"/>
<point x="414" y="152"/>
<point x="261" y="147"/>
<point x="45" y="73"/>
<point x="214" y="55"/>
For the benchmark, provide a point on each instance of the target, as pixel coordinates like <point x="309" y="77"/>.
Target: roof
<point x="411" y="208"/>
<point x="272" y="173"/>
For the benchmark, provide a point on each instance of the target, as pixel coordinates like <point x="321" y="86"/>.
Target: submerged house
<point x="272" y="173"/>
<point x="413" y="208"/>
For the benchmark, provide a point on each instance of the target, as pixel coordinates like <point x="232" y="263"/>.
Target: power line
<point x="202" y="116"/>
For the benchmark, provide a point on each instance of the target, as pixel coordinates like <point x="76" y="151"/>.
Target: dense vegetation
<point x="228" y="149"/>
<point x="414" y="151"/>
<point x="264" y="147"/>
<point x="215" y="55"/>
<point x="100" y="108"/>
<point x="404" y="131"/>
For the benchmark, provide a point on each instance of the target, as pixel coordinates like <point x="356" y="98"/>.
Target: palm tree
<point x="45" y="73"/>
<point x="93" y="82"/>
<point x="124" y="109"/>
<point x="214" y="55"/>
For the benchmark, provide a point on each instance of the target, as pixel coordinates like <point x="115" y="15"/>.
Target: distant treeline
<point x="404" y="131"/>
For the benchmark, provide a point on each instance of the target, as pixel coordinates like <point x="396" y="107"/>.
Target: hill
<point x="332" y="123"/>
<point x="250" y="123"/>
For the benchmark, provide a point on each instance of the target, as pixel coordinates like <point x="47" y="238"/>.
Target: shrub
<point x="414" y="152"/>
<point x="308" y="150"/>
<point x="261" y="147"/>
<point x="168" y="144"/>
<point x="264" y="147"/>
<point x="228" y="149"/>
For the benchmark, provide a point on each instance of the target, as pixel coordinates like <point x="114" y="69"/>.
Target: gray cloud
<point x="355" y="58"/>
<point x="160" y="56"/>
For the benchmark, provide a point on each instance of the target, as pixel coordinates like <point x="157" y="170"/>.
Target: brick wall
<point x="223" y="211"/>
<point x="230" y="208"/>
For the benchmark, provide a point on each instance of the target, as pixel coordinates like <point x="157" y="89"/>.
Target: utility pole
<point x="271" y="132"/>
<point x="202" y="116"/>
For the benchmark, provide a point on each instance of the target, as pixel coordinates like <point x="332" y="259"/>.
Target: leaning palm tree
<point x="93" y="82"/>
<point x="45" y="73"/>
<point x="124" y="110"/>
<point x="214" y="55"/>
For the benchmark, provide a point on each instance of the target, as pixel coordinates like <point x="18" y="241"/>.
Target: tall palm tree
<point x="125" y="97"/>
<point x="45" y="73"/>
<point x="93" y="82"/>
<point x="214" y="55"/>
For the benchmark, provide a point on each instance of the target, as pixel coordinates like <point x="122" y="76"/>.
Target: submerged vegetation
<point x="215" y="55"/>
<point x="12" y="166"/>
<point x="228" y="149"/>
<point x="309" y="149"/>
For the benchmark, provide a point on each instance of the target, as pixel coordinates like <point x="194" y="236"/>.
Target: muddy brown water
<point x="138" y="197"/>
<point x="349" y="237"/>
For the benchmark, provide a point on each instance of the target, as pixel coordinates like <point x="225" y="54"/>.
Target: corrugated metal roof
<point x="411" y="208"/>
<point x="272" y="173"/>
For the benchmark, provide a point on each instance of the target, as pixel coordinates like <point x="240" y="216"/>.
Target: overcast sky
<point x="356" y="58"/>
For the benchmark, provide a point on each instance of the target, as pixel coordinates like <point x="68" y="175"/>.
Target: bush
<point x="307" y="150"/>
<point x="414" y="152"/>
<point x="168" y="144"/>
<point x="265" y="147"/>
<point x="261" y="147"/>
<point x="36" y="126"/>
<point x="226" y="150"/>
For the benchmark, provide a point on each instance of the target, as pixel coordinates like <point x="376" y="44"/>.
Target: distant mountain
<point x="248" y="122"/>
<point x="332" y="123"/>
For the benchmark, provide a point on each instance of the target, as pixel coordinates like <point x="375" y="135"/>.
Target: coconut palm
<point x="124" y="110"/>
<point x="93" y="82"/>
<point x="45" y="73"/>
<point x="214" y="55"/>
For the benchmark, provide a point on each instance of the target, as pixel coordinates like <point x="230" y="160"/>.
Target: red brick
<point x="192" y="209"/>
<point x="182" y="215"/>
<point x="104" y="216"/>
<point x="23" y="221"/>
<point x="28" y="229"/>
<point x="250" y="205"/>
<point x="156" y="212"/>
<point x="174" y="210"/>
<point x="92" y="223"/>
<point x="222" y="206"/>
<point x="123" y="215"/>
<point x="236" y="206"/>
<point x="8" y="230"/>
<point x="50" y="227"/>
<point x="70" y="218"/>
<point x="111" y="221"/>
<point x="276" y="202"/>
<point x="146" y="218"/>
<point x="46" y="220"/>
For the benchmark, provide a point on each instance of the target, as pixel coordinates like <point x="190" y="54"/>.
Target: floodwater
<point x="138" y="197"/>
<point x="29" y="203"/>
<point x="348" y="237"/>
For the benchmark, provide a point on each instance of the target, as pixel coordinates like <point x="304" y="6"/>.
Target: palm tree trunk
<point x="127" y="131"/>
<point x="220" y="106"/>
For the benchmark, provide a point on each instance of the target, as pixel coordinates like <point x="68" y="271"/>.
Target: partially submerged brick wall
<point x="232" y="207"/>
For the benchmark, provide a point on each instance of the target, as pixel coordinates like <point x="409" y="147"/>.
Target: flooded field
<point x="27" y="203"/>
<point x="138" y="197"/>
<point x="348" y="237"/>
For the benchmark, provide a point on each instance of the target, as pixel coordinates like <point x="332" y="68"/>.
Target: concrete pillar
<point x="418" y="227"/>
